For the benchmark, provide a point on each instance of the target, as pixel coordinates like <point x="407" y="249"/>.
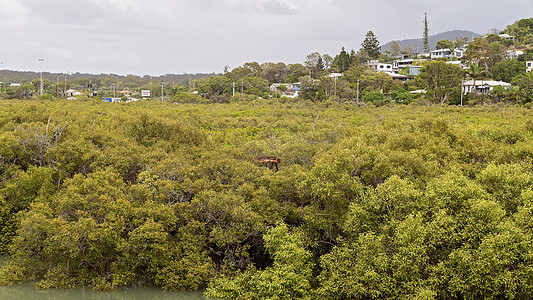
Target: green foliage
<point x="506" y="70"/>
<point x="342" y="61"/>
<point x="214" y="86"/>
<point x="289" y="276"/>
<point x="525" y="83"/>
<point x="373" y="96"/>
<point x="445" y="44"/>
<point x="371" y="45"/>
<point x="486" y="53"/>
<point x="442" y="81"/>
<point x="399" y="201"/>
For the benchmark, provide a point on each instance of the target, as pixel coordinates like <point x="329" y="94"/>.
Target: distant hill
<point x="433" y="39"/>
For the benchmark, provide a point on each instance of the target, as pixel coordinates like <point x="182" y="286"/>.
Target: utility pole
<point x="357" y="99"/>
<point x="162" y="91"/>
<point x="335" y="79"/>
<point x="65" y="90"/>
<point x="40" y="59"/>
<point x="462" y="84"/>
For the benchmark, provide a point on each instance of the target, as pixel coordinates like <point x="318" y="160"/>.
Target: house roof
<point x="486" y="83"/>
<point x="441" y="50"/>
<point x="335" y="75"/>
<point x="398" y="76"/>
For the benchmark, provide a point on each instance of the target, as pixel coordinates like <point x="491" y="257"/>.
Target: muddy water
<point x="29" y="292"/>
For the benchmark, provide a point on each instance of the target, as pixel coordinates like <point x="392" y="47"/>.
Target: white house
<point x="482" y="86"/>
<point x="402" y="63"/>
<point x="380" y="67"/>
<point x="440" y="53"/>
<point x="286" y="89"/>
<point x="335" y="75"/>
<point x="72" y="92"/>
<point x="529" y="65"/>
<point x="514" y="53"/>
<point x="459" y="53"/>
<point x="399" y="77"/>
<point x="506" y="37"/>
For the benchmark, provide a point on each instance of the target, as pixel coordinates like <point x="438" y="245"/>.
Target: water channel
<point x="27" y="291"/>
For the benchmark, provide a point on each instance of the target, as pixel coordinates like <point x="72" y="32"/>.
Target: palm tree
<point x="475" y="71"/>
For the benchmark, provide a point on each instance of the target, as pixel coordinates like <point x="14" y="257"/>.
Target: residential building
<point x="335" y="75"/>
<point x="414" y="70"/>
<point x="72" y="93"/>
<point x="441" y="53"/>
<point x="506" y="37"/>
<point x="459" y="52"/>
<point x="482" y="86"/>
<point x="515" y="53"/>
<point x="455" y="62"/>
<point x="286" y="89"/>
<point x="529" y="65"/>
<point x="402" y="63"/>
<point x="380" y="67"/>
<point x="399" y="77"/>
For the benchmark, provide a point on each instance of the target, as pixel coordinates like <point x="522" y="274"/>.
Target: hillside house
<point x="399" y="77"/>
<point x="506" y="37"/>
<point x="441" y="53"/>
<point x="286" y="89"/>
<point x="482" y="86"/>
<point x="414" y="70"/>
<point x="380" y="67"/>
<point x="402" y="63"/>
<point x="529" y="65"/>
<point x="515" y="53"/>
<point x="335" y="75"/>
<point x="459" y="52"/>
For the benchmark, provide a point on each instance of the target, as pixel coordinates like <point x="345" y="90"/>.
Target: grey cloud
<point x="65" y="11"/>
<point x="159" y="36"/>
<point x="277" y="7"/>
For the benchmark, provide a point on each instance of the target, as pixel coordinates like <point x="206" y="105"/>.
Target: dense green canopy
<point x="400" y="201"/>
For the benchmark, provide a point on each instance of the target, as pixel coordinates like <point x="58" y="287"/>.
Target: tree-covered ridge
<point x="392" y="202"/>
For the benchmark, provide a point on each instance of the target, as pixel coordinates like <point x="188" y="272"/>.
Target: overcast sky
<point x="156" y="37"/>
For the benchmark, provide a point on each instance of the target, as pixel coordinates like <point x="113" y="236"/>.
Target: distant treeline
<point x="11" y="76"/>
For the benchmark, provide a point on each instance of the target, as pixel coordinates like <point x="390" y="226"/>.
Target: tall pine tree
<point x="320" y="64"/>
<point x="371" y="45"/>
<point x="426" y="33"/>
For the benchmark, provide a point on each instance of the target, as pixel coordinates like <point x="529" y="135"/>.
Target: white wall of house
<point x="382" y="67"/>
<point x="440" y="53"/>
<point x="398" y="64"/>
<point x="529" y="65"/>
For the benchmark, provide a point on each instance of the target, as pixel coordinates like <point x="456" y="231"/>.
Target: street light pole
<point x="242" y="81"/>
